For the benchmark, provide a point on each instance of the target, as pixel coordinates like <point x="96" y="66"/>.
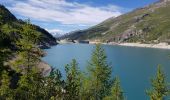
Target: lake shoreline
<point x="161" y="45"/>
<point x="142" y="45"/>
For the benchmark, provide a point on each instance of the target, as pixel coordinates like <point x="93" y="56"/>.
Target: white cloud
<point x="64" y="12"/>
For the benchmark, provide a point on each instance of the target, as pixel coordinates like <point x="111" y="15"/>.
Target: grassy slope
<point x="146" y="24"/>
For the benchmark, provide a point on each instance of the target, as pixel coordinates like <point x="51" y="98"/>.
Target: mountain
<point x="73" y="34"/>
<point x="12" y="30"/>
<point x="147" y="25"/>
<point x="10" y="23"/>
<point x="56" y="35"/>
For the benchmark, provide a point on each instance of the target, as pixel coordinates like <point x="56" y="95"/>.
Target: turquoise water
<point x="134" y="66"/>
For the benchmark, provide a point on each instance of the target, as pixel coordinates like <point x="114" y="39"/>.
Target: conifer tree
<point x="99" y="75"/>
<point x="116" y="91"/>
<point x="29" y="54"/>
<point x="31" y="82"/>
<point x="5" y="91"/>
<point x="159" y="86"/>
<point x="54" y="88"/>
<point x="72" y="81"/>
<point x="30" y="85"/>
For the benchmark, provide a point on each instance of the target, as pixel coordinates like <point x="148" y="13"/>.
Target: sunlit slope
<point x="148" y="24"/>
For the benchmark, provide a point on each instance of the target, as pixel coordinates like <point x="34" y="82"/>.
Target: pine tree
<point x="72" y="81"/>
<point x="54" y="86"/>
<point x="30" y="84"/>
<point x="116" y="91"/>
<point x="5" y="91"/>
<point x="159" y="86"/>
<point x="99" y="75"/>
<point x="29" y="54"/>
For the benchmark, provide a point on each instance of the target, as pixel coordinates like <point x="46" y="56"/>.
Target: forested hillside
<point x="11" y="28"/>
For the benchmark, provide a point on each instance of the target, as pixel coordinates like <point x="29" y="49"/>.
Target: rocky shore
<point x="44" y="67"/>
<point x="158" y="46"/>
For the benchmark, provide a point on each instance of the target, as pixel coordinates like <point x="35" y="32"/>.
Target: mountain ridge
<point x="8" y="19"/>
<point x="147" y="25"/>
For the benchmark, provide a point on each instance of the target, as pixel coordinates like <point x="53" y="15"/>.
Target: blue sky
<point x="68" y="15"/>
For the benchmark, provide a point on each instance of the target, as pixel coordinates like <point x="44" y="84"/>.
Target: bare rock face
<point x="44" y="68"/>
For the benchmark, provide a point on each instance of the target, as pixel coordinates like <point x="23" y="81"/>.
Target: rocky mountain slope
<point x="9" y="22"/>
<point x="149" y="24"/>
